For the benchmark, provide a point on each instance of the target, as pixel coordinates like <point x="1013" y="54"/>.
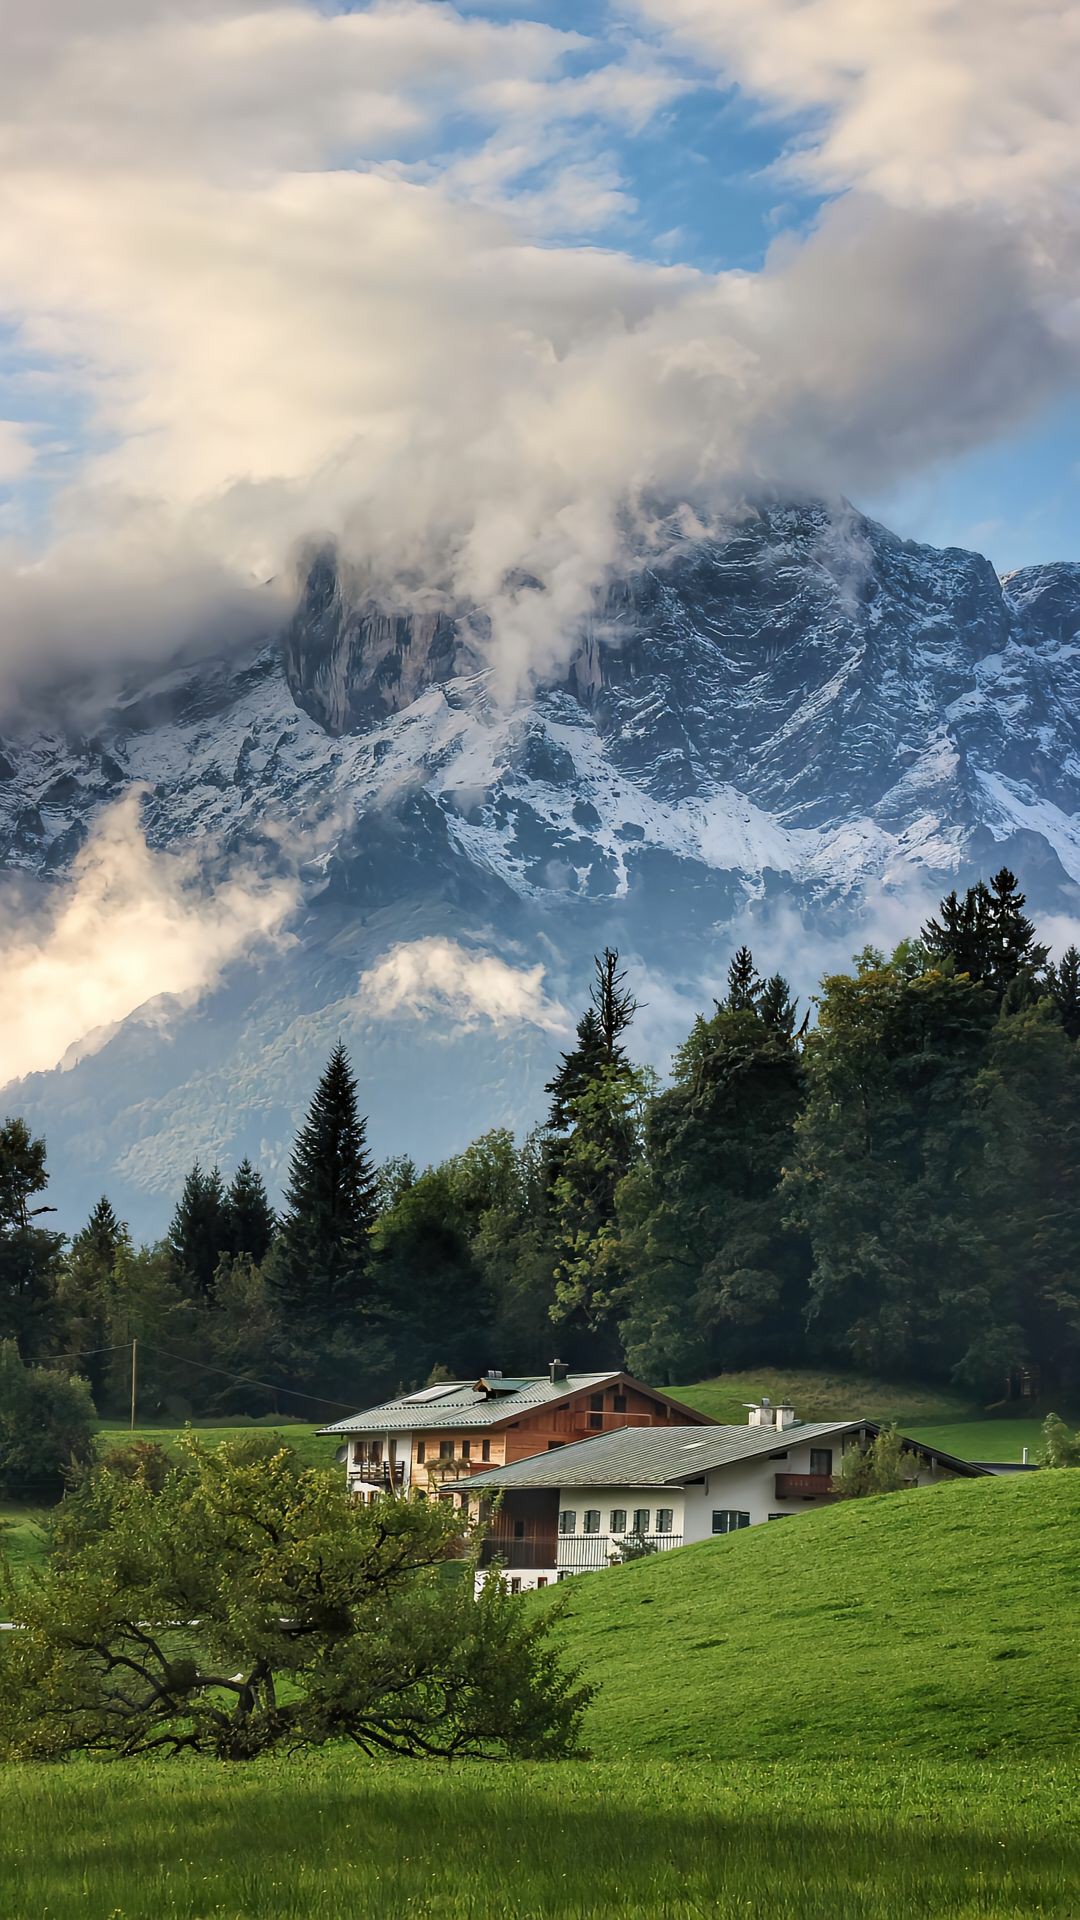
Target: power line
<point x="242" y="1379"/>
<point x="245" y="1379"/>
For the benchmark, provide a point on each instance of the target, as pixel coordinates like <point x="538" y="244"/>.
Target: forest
<point x="889" y="1178"/>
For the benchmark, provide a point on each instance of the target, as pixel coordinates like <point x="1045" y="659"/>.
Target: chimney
<point x="557" y="1371"/>
<point x="762" y="1413"/>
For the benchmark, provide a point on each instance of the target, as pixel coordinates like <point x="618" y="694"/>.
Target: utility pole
<point x="134" y="1379"/>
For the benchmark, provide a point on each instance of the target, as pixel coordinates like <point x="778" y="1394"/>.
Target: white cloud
<point x="439" y="979"/>
<point x="935" y="103"/>
<point x="16" y="450"/>
<point x="129" y="925"/>
<point x="301" y="262"/>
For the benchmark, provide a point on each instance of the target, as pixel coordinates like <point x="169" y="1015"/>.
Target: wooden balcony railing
<point x="378" y="1473"/>
<point x="803" y="1486"/>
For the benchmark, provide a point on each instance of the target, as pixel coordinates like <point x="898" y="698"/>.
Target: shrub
<point x="46" y="1428"/>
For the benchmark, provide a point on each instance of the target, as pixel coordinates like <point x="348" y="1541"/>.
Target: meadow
<point x="331" y="1835"/>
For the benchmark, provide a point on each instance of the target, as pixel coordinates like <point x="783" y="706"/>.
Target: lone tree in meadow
<point x="322" y="1255"/>
<point x="247" y="1605"/>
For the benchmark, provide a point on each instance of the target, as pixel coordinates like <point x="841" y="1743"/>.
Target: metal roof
<point x="460" y="1404"/>
<point x="666" y="1456"/>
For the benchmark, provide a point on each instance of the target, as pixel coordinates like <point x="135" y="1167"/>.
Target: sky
<point x="475" y="290"/>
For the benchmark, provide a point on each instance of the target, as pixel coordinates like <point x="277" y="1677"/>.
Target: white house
<point x="649" y="1489"/>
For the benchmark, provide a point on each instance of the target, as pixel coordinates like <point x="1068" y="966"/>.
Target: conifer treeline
<point x="896" y="1186"/>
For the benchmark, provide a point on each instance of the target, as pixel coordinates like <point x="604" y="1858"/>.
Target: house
<point x="646" y="1489"/>
<point x="422" y="1440"/>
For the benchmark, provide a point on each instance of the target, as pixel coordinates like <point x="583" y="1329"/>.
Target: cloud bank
<point x="375" y="275"/>
<point x="441" y="980"/>
<point x="130" y="925"/>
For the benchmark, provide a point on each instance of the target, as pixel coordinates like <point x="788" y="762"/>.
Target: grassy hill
<point x="944" y="1621"/>
<point x="947" y="1419"/>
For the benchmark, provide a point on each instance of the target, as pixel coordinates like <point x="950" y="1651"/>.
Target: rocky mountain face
<point x="801" y="732"/>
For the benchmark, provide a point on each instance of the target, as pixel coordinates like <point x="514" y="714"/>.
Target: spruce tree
<point x="1064" y="984"/>
<point x="199" y="1231"/>
<point x="250" y="1219"/>
<point x="743" y="986"/>
<point x="988" y="936"/>
<point x="86" y="1294"/>
<point x="776" y="1007"/>
<point x="102" y="1233"/>
<point x="322" y="1256"/>
<point x="1016" y="951"/>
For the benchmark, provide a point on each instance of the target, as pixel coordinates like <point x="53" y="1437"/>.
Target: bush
<point x="1060" y="1448"/>
<point x="46" y="1428"/>
<point x="882" y="1467"/>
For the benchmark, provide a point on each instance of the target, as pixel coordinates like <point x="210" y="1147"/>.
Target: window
<point x="515" y="1586"/>
<point x="619" y="1403"/>
<point x="617" y="1520"/>
<point x="664" y="1518"/>
<point x="592" y="1520"/>
<point x="596" y="1417"/>
<point x="485" y="1449"/>
<point x="357" y="1452"/>
<point x="642" y="1516"/>
<point x="725" y="1521"/>
<point x="446" y="1449"/>
<point x="463" y="1500"/>
<point x="541" y="1580"/>
<point x="567" y="1520"/>
<point x="376" y="1452"/>
<point x="821" y="1460"/>
<point x="780" y="1516"/>
<point x="466" y="1449"/>
<point x="421" y="1453"/>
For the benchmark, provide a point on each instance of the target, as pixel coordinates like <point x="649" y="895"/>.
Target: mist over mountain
<point x="798" y="733"/>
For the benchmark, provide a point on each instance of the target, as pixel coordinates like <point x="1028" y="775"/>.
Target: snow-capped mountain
<point x="785" y="730"/>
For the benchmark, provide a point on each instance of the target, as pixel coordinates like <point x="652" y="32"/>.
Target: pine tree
<point x="596" y="1113"/>
<point x="1064" y="984"/>
<point x="199" y="1232"/>
<point x="86" y="1295"/>
<point x="250" y="1221"/>
<point x="102" y="1233"/>
<point x="988" y="936"/>
<point x="322" y="1256"/>
<point x="776" y="1006"/>
<point x="1015" y="949"/>
<point x="743" y="986"/>
<point x="576" y="1070"/>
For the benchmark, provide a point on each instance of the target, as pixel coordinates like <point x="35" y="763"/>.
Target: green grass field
<point x="330" y="1836"/>
<point x="942" y="1621"/>
<point x="303" y="1439"/>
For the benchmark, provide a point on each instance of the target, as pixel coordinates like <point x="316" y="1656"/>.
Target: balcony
<point x="579" y="1553"/>
<point x="527" y="1550"/>
<point x="377" y="1473"/>
<point x="803" y="1486"/>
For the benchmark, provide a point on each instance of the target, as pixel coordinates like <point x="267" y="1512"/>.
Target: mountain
<point x="801" y="732"/>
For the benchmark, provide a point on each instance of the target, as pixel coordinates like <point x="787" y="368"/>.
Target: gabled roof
<point x="666" y="1456"/>
<point x="464" y="1403"/>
